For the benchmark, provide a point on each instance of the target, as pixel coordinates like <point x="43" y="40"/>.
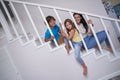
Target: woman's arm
<point x="89" y="30"/>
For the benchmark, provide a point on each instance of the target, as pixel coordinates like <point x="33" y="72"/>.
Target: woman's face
<point x="52" y="23"/>
<point x="68" y="25"/>
<point x="77" y="18"/>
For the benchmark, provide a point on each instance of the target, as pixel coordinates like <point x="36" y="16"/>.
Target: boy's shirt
<point x="55" y="30"/>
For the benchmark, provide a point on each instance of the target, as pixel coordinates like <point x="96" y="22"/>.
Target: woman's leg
<point x="77" y="47"/>
<point x="91" y="42"/>
<point x="102" y="36"/>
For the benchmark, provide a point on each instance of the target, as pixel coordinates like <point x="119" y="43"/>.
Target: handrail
<point x="13" y="26"/>
<point x="21" y="25"/>
<point x="70" y="11"/>
<point x="64" y="9"/>
<point x="34" y="26"/>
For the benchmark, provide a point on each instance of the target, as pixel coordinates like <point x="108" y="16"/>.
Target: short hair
<point x="49" y="18"/>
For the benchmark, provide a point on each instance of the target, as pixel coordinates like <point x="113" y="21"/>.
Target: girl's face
<point x="77" y="18"/>
<point x="68" y="25"/>
<point x="52" y="23"/>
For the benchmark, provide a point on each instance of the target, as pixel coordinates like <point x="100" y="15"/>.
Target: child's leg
<point x="85" y="71"/>
<point x="61" y="40"/>
<point x="67" y="46"/>
<point x="77" y="47"/>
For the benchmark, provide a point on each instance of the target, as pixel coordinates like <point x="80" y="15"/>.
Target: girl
<point x="73" y="35"/>
<point x="87" y="33"/>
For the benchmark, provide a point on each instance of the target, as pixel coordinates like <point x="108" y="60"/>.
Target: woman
<point x="87" y="33"/>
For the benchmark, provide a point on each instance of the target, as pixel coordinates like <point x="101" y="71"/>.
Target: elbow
<point x="45" y="40"/>
<point x="68" y="38"/>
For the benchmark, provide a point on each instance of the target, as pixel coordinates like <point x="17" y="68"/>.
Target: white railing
<point x="55" y="9"/>
<point x="6" y="26"/>
<point x="11" y="21"/>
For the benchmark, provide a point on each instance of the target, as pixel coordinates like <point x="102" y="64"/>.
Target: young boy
<point x="55" y="30"/>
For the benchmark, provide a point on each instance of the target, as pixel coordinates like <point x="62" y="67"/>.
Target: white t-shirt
<point x="82" y="30"/>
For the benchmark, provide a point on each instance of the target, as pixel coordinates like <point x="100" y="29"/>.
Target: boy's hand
<point x="52" y="37"/>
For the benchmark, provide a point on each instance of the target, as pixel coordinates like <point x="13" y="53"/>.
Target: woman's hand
<point x="90" y="21"/>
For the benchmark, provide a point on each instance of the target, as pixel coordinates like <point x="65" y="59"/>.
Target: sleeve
<point x="58" y="28"/>
<point x="47" y="34"/>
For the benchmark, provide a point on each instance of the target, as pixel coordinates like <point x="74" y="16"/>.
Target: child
<point x="73" y="35"/>
<point x="56" y="32"/>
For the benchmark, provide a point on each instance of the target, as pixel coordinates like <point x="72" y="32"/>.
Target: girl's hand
<point x="63" y="33"/>
<point x="60" y="25"/>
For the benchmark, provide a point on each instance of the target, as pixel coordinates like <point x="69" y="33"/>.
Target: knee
<point x="79" y="59"/>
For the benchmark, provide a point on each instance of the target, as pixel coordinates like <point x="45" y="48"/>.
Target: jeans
<point x="77" y="46"/>
<point x="91" y="42"/>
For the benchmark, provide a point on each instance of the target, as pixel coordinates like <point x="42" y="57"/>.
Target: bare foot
<point x="110" y="49"/>
<point x="96" y="47"/>
<point x="85" y="71"/>
<point x="68" y="49"/>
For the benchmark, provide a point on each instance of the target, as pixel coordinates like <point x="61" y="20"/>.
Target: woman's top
<point x="83" y="30"/>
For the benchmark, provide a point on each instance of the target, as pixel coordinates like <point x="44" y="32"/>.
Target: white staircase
<point x="33" y="59"/>
<point x="41" y="63"/>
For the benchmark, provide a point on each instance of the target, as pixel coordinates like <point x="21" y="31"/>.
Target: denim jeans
<point x="77" y="46"/>
<point x="91" y="42"/>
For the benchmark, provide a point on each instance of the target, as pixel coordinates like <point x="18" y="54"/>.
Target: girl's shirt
<point x="55" y="30"/>
<point x="76" y="37"/>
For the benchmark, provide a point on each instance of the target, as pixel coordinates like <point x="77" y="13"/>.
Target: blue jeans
<point x="91" y="42"/>
<point x="77" y="46"/>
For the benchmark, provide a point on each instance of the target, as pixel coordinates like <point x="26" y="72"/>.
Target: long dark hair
<point x="72" y="23"/>
<point x="82" y="21"/>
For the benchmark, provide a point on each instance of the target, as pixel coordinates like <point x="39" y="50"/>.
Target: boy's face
<point x="52" y="23"/>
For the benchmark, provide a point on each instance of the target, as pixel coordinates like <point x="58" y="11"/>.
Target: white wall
<point x="8" y="70"/>
<point x="91" y="6"/>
